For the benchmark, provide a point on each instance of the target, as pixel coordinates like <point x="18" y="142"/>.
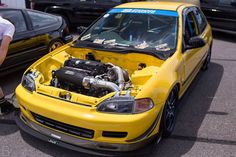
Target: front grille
<point x="70" y="129"/>
<point x="114" y="134"/>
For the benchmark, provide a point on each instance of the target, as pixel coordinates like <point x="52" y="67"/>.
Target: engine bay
<point x="90" y="77"/>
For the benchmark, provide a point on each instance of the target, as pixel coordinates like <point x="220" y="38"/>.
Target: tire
<point x="54" y="45"/>
<point x="207" y="61"/>
<point x="169" y="113"/>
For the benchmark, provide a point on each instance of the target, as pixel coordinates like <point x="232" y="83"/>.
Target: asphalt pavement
<point x="206" y="122"/>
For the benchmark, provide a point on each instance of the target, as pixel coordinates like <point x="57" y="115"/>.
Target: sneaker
<point x="6" y="108"/>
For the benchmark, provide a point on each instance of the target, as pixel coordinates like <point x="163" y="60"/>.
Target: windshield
<point x="139" y="29"/>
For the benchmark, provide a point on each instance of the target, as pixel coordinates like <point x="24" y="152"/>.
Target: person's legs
<point x="2" y="101"/>
<point x="1" y="96"/>
<point x="5" y="106"/>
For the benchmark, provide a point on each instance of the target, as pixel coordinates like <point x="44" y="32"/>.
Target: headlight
<point x="125" y="105"/>
<point x="28" y="81"/>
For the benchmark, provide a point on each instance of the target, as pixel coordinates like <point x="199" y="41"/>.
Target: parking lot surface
<point x="206" y="122"/>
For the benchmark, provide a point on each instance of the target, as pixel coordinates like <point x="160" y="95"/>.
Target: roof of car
<point x="153" y="5"/>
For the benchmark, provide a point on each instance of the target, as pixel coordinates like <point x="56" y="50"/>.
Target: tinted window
<point x="16" y="17"/>
<point x="114" y="1"/>
<point x="227" y="3"/>
<point x="210" y="2"/>
<point x="190" y="26"/>
<point x="41" y="19"/>
<point x="201" y="20"/>
<point x="149" y="32"/>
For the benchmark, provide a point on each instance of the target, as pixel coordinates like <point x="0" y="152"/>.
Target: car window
<point x="228" y="3"/>
<point x="110" y="1"/>
<point x="191" y="28"/>
<point x="16" y="17"/>
<point x="209" y="2"/>
<point x="202" y="23"/>
<point x="41" y="19"/>
<point x="138" y="29"/>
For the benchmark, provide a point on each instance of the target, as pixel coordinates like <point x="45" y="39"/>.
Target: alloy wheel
<point x="170" y="112"/>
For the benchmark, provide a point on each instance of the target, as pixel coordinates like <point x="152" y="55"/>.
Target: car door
<point x="90" y="10"/>
<point x="209" y="7"/>
<point x="84" y="12"/>
<point x="193" y="56"/>
<point x="23" y="42"/>
<point x="226" y="15"/>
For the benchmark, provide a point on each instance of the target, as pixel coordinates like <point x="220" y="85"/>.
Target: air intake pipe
<point x="89" y="82"/>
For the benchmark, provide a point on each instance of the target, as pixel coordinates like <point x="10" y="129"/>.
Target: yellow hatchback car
<point x="117" y="86"/>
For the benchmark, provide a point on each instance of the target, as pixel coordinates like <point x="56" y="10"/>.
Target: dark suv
<point x="77" y="12"/>
<point x="220" y="13"/>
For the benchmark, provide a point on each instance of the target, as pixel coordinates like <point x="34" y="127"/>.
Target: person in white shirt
<point x="7" y="30"/>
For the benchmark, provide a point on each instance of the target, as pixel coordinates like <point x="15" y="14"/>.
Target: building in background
<point x="14" y="3"/>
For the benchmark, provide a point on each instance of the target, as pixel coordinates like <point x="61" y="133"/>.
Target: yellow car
<point x="117" y="86"/>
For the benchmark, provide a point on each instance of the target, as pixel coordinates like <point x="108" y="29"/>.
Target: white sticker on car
<point x="162" y="47"/>
<point x="142" y="45"/>
<point x="110" y="42"/>
<point x="85" y="37"/>
<point x="98" y="41"/>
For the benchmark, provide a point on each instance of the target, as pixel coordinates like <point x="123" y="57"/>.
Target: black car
<point x="220" y="13"/>
<point x="37" y="33"/>
<point x="77" y="12"/>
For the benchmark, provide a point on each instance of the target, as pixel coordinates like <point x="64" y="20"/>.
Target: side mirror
<point x="233" y="2"/>
<point x="195" y="42"/>
<point x="80" y="29"/>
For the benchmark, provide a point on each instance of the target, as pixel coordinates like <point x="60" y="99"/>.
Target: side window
<point x="16" y="17"/>
<point x="201" y="20"/>
<point x="111" y="1"/>
<point x="227" y="3"/>
<point x="41" y="19"/>
<point x="210" y="2"/>
<point x="190" y="27"/>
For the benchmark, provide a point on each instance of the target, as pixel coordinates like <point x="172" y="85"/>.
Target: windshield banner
<point x="144" y="11"/>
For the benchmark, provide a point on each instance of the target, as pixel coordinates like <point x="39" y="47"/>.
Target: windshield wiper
<point x="103" y="47"/>
<point x="121" y="49"/>
<point x="120" y="44"/>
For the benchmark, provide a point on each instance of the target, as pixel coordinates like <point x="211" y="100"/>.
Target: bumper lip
<point x="76" y="144"/>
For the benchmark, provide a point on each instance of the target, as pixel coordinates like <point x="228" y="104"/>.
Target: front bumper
<point x="73" y="143"/>
<point x="88" y="118"/>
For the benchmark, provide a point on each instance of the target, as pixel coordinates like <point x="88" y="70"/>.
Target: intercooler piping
<point x="89" y="82"/>
<point x="121" y="79"/>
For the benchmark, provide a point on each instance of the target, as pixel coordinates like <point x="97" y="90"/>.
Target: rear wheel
<point x="54" y="45"/>
<point x="169" y="113"/>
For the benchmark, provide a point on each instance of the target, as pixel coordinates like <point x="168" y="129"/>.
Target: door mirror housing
<point x="80" y="29"/>
<point x="195" y="42"/>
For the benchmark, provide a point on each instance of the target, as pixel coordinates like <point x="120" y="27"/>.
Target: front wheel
<point x="169" y="113"/>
